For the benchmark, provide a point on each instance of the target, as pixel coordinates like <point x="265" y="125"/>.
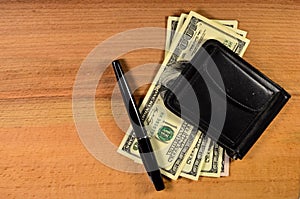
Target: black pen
<point x="144" y="145"/>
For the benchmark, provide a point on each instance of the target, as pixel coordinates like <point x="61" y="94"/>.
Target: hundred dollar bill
<point x="174" y="170"/>
<point x="170" y="136"/>
<point x="175" y="23"/>
<point x="178" y="22"/>
<point x="213" y="164"/>
<point x="171" y="27"/>
<point x="194" y="163"/>
<point x="229" y="23"/>
<point x="194" y="32"/>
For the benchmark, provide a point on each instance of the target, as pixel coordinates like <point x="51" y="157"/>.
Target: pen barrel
<point x="129" y="101"/>
<point x="147" y="154"/>
<point x="144" y="145"/>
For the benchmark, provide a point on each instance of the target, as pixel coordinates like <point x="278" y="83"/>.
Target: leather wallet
<point x="234" y="111"/>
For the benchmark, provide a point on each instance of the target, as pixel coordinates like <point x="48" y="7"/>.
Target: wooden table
<point x="42" y="47"/>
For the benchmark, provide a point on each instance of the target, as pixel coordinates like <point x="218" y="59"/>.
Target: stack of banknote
<point x="180" y="148"/>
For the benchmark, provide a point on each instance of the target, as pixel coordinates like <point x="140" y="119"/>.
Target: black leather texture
<point x="234" y="101"/>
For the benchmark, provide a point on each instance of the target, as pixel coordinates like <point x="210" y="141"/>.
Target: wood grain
<point x="43" y="44"/>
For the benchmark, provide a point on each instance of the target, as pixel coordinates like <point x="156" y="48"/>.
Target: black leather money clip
<point x="234" y="111"/>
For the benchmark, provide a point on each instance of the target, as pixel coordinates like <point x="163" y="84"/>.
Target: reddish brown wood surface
<point x="42" y="46"/>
